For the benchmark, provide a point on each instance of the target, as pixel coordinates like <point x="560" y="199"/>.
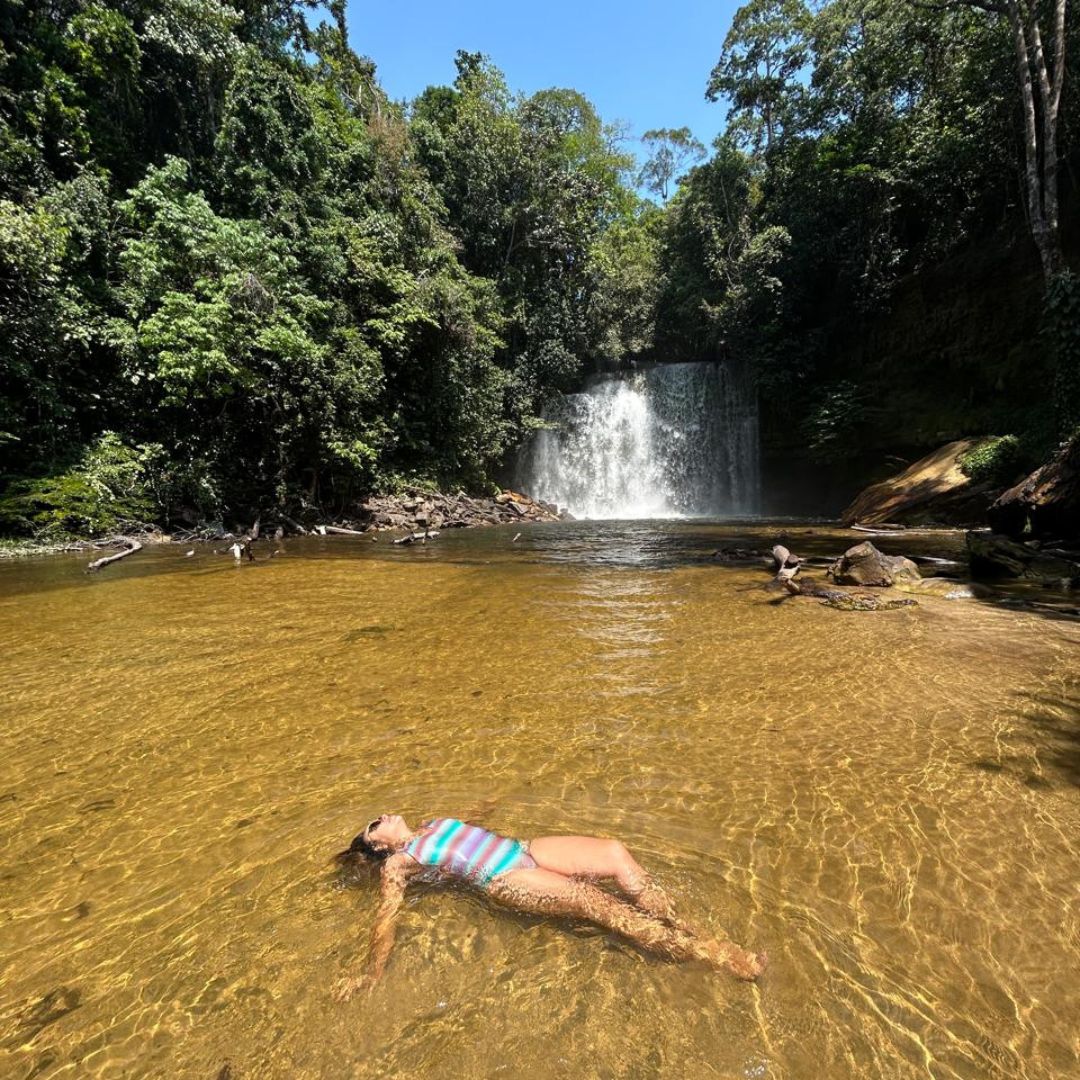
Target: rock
<point x="416" y="510"/>
<point x="841" y="599"/>
<point x="932" y="490"/>
<point x="902" y="569"/>
<point x="946" y="588"/>
<point x="1047" y="502"/>
<point x="863" y="564"/>
<point x="995" y="556"/>
<point x="745" y="555"/>
<point x="856" y="602"/>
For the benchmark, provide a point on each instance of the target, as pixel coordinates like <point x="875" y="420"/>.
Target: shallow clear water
<point x="887" y="802"/>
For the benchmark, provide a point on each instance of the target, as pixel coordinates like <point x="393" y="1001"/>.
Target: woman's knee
<point x="627" y="869"/>
<point x="619" y="858"/>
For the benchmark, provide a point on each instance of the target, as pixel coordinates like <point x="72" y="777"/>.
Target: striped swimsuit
<point x="467" y="850"/>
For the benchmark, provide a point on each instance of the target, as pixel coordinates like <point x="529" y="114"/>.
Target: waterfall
<point x="671" y="440"/>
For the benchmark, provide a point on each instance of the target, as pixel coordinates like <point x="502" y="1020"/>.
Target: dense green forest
<point x="234" y="275"/>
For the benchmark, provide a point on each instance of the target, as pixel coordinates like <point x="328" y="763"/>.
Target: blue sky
<point x="644" y="64"/>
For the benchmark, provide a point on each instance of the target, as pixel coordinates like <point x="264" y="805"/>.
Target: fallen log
<point x="885" y="526"/>
<point x="418" y="537"/>
<point x="133" y="545"/>
<point x="338" y="530"/>
<point x="294" y="524"/>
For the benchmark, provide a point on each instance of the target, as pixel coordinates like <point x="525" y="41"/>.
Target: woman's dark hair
<point x="361" y="847"/>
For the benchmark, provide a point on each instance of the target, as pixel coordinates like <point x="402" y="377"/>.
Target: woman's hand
<point x="394" y="877"/>
<point x="348" y="985"/>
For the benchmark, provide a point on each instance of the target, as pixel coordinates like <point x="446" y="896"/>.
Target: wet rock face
<point x="1047" y="502"/>
<point x="997" y="556"/>
<point x="933" y="490"/>
<point x="863" y="564"/>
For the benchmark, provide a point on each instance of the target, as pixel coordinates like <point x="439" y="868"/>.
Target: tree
<point x="1040" y="139"/>
<point x="671" y="150"/>
<point x="764" y="51"/>
<point x="721" y="291"/>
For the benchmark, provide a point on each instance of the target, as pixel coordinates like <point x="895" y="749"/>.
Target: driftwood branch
<point x="293" y="524"/>
<point x="787" y="565"/>
<point x="418" y="537"/>
<point x="132" y="545"/>
<point x="241" y="548"/>
<point x="880" y="527"/>
<point x="337" y="530"/>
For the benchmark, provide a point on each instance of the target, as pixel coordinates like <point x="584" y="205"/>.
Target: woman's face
<point x="389" y="831"/>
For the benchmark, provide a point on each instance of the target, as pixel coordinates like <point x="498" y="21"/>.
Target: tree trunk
<point x="1040" y="154"/>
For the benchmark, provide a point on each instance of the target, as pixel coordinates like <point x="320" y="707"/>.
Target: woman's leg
<point x="591" y="857"/>
<point x="543" y="892"/>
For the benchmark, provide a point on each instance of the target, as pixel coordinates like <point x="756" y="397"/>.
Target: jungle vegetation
<point x="235" y="275"/>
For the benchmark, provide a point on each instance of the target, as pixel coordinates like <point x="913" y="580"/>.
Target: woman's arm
<point x="395" y="876"/>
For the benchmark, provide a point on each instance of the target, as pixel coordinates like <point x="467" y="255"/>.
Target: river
<point x="886" y="802"/>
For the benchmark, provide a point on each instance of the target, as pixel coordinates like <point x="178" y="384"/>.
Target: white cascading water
<point x="672" y="440"/>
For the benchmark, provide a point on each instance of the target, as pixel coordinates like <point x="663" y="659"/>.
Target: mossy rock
<point x="857" y="602"/>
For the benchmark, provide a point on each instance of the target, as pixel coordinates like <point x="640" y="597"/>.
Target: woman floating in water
<point x="546" y="876"/>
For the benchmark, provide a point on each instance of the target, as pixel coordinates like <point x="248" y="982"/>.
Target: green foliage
<point x="832" y="426"/>
<point x="671" y="150"/>
<point x="997" y="461"/>
<point x="626" y="271"/>
<point x="108" y="490"/>
<point x="53" y="250"/>
<point x="721" y="293"/>
<point x="882" y="138"/>
<point x="763" y="54"/>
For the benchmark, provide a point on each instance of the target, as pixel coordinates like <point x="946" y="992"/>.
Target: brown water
<point x="887" y="802"/>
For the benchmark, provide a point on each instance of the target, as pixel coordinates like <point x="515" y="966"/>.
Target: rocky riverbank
<point x="421" y="512"/>
<point x="418" y="510"/>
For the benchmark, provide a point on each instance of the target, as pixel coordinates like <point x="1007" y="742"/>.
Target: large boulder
<point x="996" y="556"/>
<point x="863" y="564"/>
<point x="1046" y="503"/>
<point x="934" y="490"/>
